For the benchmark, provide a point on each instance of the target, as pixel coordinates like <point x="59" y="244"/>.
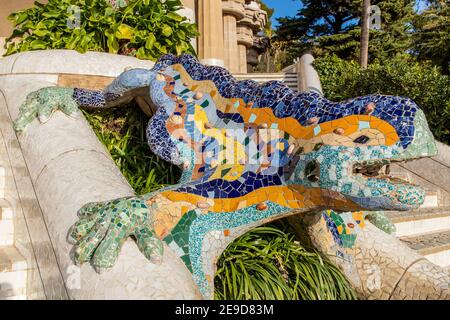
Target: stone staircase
<point x="13" y="266"/>
<point x="427" y="229"/>
<point x="289" y="77"/>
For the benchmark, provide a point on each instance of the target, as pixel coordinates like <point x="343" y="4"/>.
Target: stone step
<point x="435" y="246"/>
<point x="423" y="220"/>
<point x="432" y="198"/>
<point x="13" y="274"/>
<point x="290" y="79"/>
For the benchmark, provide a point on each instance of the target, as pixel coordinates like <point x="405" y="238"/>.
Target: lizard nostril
<point x="312" y="171"/>
<point x="198" y="95"/>
<point x="361" y="139"/>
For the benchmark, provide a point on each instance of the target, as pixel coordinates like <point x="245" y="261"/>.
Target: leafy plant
<point x="122" y="131"/>
<point x="432" y="34"/>
<point x="146" y="29"/>
<point x="266" y="263"/>
<point x="401" y="75"/>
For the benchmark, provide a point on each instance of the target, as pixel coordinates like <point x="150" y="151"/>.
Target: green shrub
<point x="146" y="29"/>
<point x="266" y="263"/>
<point x="401" y="75"/>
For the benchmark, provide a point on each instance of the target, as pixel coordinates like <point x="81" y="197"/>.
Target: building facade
<point x="229" y="29"/>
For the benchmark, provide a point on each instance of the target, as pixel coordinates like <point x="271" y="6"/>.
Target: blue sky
<point x="284" y="8"/>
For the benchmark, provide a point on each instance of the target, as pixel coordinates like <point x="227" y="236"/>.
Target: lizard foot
<point x="105" y="226"/>
<point x="381" y="221"/>
<point x="43" y="103"/>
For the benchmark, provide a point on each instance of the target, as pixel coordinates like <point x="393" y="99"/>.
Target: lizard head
<point x="353" y="160"/>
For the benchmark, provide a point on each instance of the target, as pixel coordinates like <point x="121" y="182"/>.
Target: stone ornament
<point x="250" y="154"/>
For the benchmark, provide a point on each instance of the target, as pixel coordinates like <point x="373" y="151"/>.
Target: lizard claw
<point x="104" y="227"/>
<point x="42" y="104"/>
<point x="100" y="270"/>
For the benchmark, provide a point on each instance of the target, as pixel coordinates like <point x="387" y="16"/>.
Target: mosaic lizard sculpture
<point x="250" y="154"/>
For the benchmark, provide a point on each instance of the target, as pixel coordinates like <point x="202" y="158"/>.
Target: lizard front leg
<point x="104" y="227"/>
<point x="44" y="102"/>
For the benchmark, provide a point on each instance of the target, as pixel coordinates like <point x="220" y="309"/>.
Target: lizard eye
<point x="312" y="171"/>
<point x="361" y="139"/>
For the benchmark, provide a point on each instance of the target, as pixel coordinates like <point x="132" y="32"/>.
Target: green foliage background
<point x="146" y="29"/>
<point x="333" y="27"/>
<point x="401" y="75"/>
<point x="432" y="39"/>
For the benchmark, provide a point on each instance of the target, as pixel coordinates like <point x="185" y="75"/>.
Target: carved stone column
<point x="254" y="20"/>
<point x="245" y="40"/>
<point x="233" y="10"/>
<point x="242" y="58"/>
<point x="210" y="26"/>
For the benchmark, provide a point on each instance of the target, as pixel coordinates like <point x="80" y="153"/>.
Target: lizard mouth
<point x="376" y="173"/>
<point x="362" y="173"/>
<point x="393" y="193"/>
<point x="378" y="169"/>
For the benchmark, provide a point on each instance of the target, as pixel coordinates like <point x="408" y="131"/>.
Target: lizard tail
<point x="130" y="85"/>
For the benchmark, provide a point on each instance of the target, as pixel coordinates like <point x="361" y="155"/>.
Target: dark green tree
<point x="319" y="24"/>
<point x="334" y="26"/>
<point x="432" y="36"/>
<point x="395" y="35"/>
<point x="319" y="18"/>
